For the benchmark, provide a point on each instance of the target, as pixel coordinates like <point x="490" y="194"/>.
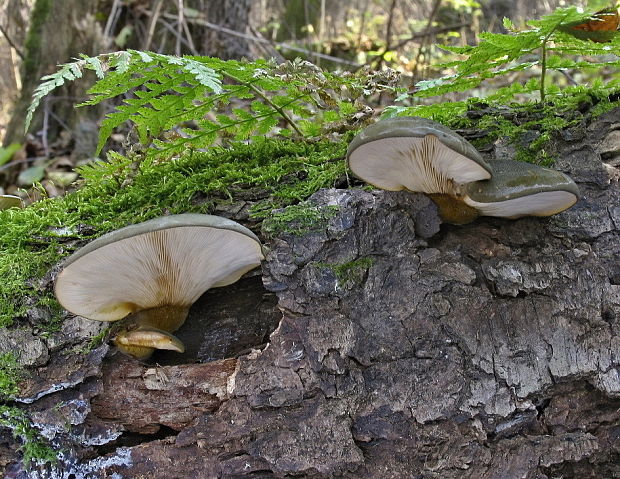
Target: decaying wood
<point x="488" y="350"/>
<point x="171" y="396"/>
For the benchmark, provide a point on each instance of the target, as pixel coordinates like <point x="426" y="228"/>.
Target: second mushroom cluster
<point x="420" y="155"/>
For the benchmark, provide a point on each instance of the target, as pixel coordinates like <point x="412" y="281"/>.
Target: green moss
<point x="298" y="219"/>
<point x="349" y="273"/>
<point x="518" y="120"/>
<point x="9" y="376"/>
<point x="34" y="448"/>
<point x="529" y="127"/>
<point x="124" y="191"/>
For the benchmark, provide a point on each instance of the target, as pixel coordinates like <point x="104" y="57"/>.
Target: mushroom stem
<point x="149" y="329"/>
<point x="453" y="210"/>
<point x="167" y="317"/>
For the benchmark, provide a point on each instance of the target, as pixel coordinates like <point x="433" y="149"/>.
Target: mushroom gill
<point x="154" y="271"/>
<point x="423" y="156"/>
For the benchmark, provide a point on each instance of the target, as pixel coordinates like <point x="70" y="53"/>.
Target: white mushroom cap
<point x="416" y="154"/>
<point x="170" y="260"/>
<point x="10" y="201"/>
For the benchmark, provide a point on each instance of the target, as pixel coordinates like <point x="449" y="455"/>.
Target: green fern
<point x="545" y="44"/>
<point x="179" y="103"/>
<point x="189" y="103"/>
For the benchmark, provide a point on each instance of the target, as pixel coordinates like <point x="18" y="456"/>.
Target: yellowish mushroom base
<point x="145" y="331"/>
<point x="453" y="210"/>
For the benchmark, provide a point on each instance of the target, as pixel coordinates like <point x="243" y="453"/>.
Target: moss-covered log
<point x="399" y="346"/>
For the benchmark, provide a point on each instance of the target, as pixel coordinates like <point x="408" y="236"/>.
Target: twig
<point x="256" y="39"/>
<point x="16" y="73"/>
<point x="175" y="32"/>
<point x="282" y="113"/>
<point x="266" y="46"/>
<point x="266" y="99"/>
<point x="11" y="43"/>
<point x="285" y="46"/>
<point x="164" y="36"/>
<point x="429" y="24"/>
<point x="363" y="13"/>
<point x="428" y="33"/>
<point x="570" y="79"/>
<point x="112" y="19"/>
<point x="46" y="116"/>
<point x="319" y="43"/>
<point x="12" y="163"/>
<point x="59" y="120"/>
<point x="152" y="22"/>
<point x="188" y="35"/>
<point x="177" y="47"/>
<point x="388" y="35"/>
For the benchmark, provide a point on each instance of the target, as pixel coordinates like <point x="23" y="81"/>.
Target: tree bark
<point x="45" y="48"/>
<point x="405" y="348"/>
<point x="233" y="15"/>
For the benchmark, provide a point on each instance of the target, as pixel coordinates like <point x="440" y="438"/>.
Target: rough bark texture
<point x="45" y="48"/>
<point x="405" y="349"/>
<point x="233" y="15"/>
<point x="171" y="396"/>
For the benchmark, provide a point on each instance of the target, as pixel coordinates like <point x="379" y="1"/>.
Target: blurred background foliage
<point x="344" y="35"/>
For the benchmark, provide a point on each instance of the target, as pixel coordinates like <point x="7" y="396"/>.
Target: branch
<point x="429" y="24"/>
<point x="11" y="43"/>
<point x="388" y="35"/>
<point x="256" y="39"/>
<point x="282" y="113"/>
<point x="152" y="22"/>
<point x="112" y="19"/>
<point x="428" y="33"/>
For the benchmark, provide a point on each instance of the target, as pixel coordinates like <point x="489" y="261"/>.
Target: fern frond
<point x="176" y="103"/>
<point x="500" y="54"/>
<point x="67" y="72"/>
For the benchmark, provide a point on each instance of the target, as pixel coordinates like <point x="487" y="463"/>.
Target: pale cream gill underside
<point x="540" y="204"/>
<point x="172" y="266"/>
<point x="417" y="164"/>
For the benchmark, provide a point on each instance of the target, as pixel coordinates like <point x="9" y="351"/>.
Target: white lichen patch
<point x="54" y="388"/>
<point x="70" y="468"/>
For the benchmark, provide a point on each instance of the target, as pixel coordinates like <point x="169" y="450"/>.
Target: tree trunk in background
<point x="59" y="31"/>
<point x="234" y="15"/>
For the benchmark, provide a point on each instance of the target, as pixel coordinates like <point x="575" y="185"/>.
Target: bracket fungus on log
<point x="152" y="273"/>
<point x="420" y="155"/>
<point x="519" y="189"/>
<point x="10" y="201"/>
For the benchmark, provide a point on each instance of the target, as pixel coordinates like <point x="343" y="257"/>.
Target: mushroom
<point x="423" y="156"/>
<point x="416" y="154"/>
<point x="419" y="155"/>
<point x="10" y="201"/>
<point x="519" y="189"/>
<point x="153" y="272"/>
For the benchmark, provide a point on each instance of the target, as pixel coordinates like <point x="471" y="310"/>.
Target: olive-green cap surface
<point x="522" y="189"/>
